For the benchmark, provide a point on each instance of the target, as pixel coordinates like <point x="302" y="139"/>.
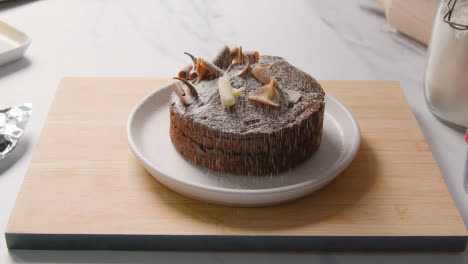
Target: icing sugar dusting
<point x="248" y="116"/>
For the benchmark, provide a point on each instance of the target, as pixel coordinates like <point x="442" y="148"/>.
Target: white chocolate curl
<point x="227" y="93"/>
<point x="294" y="96"/>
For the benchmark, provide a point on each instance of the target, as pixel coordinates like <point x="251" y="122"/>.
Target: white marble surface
<point x="328" y="39"/>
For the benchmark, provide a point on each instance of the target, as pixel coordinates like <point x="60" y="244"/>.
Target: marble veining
<point x="347" y="40"/>
<point x="394" y="56"/>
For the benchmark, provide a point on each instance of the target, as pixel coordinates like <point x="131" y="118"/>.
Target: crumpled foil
<point x="13" y="120"/>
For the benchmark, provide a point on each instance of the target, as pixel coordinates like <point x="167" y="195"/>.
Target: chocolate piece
<point x="235" y="51"/>
<point x="251" y="56"/>
<point x="210" y="67"/>
<point x="244" y="70"/>
<point x="263" y="73"/>
<point x="294" y="96"/>
<point x="186" y="98"/>
<point x="193" y="76"/>
<point x="237" y="56"/>
<point x="185" y="72"/>
<point x="267" y="94"/>
<point x="194" y="59"/>
<point x="223" y="58"/>
<point x="206" y="68"/>
<point x="227" y="93"/>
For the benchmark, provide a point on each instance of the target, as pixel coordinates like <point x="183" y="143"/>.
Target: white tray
<point x="13" y="43"/>
<point x="148" y="136"/>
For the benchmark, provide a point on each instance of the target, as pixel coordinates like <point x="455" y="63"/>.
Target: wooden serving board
<point x="85" y="189"/>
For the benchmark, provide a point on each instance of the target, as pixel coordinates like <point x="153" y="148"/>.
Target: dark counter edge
<point x="235" y="243"/>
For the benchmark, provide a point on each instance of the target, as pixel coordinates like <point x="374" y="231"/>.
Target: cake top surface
<point x="249" y="116"/>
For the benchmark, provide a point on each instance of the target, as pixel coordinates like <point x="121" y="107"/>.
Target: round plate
<point x="148" y="136"/>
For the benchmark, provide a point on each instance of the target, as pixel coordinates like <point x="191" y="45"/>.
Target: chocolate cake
<point x="246" y="113"/>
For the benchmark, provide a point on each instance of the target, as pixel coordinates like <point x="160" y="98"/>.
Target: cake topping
<point x="193" y="76"/>
<point x="263" y="73"/>
<point x="258" y="114"/>
<point x="239" y="57"/>
<point x="202" y="72"/>
<point x="187" y="98"/>
<point x="244" y="70"/>
<point x="267" y="94"/>
<point x="236" y="59"/>
<point x="227" y="93"/>
<point x="251" y="56"/>
<point x="294" y="96"/>
<point x="236" y="55"/>
<point x="194" y="60"/>
<point x="206" y="68"/>
<point x="185" y="72"/>
<point x="223" y="58"/>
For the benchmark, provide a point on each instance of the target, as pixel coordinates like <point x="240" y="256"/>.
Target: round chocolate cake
<point x="246" y="113"/>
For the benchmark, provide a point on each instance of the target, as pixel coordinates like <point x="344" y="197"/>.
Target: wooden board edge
<point x="237" y="243"/>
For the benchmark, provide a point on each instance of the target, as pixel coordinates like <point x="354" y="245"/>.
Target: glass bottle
<point x="446" y="78"/>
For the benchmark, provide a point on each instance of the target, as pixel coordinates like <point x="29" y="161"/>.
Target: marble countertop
<point x="338" y="40"/>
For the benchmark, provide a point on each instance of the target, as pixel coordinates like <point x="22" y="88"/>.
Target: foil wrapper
<point x="13" y="120"/>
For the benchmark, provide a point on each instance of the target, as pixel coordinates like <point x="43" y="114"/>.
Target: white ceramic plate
<point x="13" y="43"/>
<point x="148" y="136"/>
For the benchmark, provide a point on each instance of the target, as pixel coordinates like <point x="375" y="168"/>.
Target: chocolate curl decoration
<point x="267" y="94"/>
<point x="193" y="76"/>
<point x="205" y="68"/>
<point x="237" y="57"/>
<point x="211" y="67"/>
<point x="201" y="71"/>
<point x="294" y="96"/>
<point x="187" y="98"/>
<point x="235" y="52"/>
<point x="251" y="56"/>
<point x="194" y="60"/>
<point x="240" y="57"/>
<point x="223" y="58"/>
<point x="245" y="69"/>
<point x="185" y="72"/>
<point x="263" y="73"/>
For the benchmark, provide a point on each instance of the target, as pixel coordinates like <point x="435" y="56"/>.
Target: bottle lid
<point x="450" y="17"/>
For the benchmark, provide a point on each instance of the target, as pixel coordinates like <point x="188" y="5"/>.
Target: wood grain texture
<point x="83" y="178"/>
